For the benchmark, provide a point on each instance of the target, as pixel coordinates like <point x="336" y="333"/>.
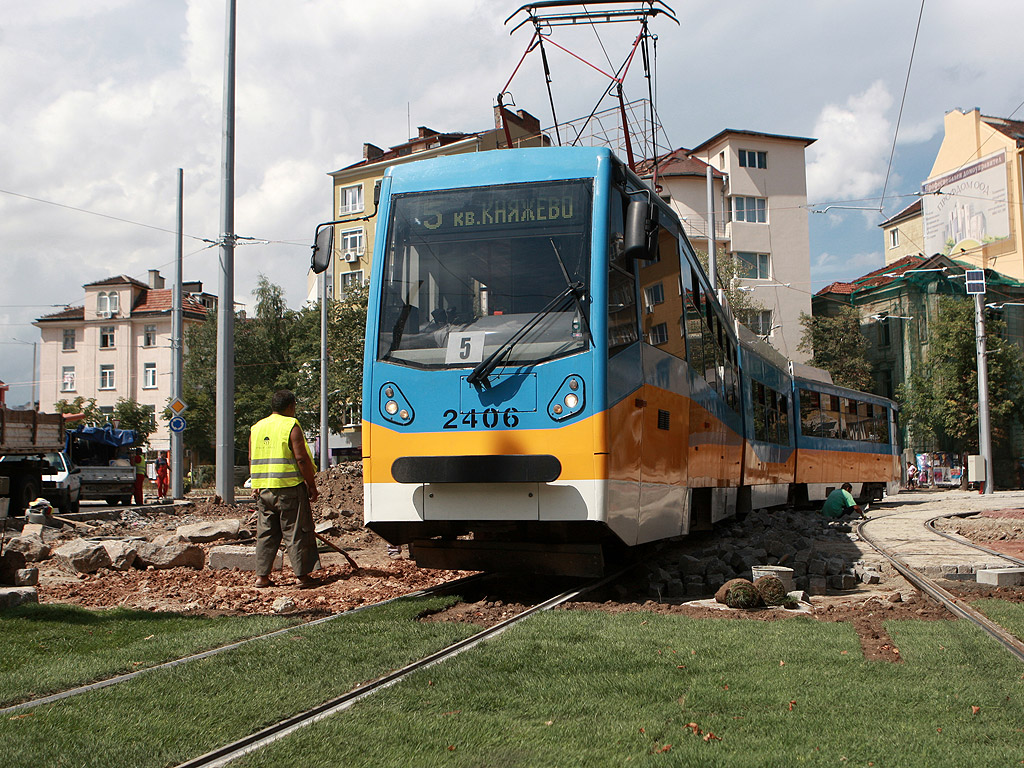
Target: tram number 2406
<point x="489" y="418"/>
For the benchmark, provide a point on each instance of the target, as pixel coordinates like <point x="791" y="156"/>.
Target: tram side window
<point x="662" y="309"/>
<point x="622" y="323"/>
<point x="811" y="414"/>
<point x="783" y="420"/>
<point x="694" y="332"/>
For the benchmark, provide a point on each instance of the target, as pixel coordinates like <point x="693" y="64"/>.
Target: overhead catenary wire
<point x="903" y="101"/>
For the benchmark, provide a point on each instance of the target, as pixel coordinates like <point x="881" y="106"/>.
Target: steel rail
<point x="961" y="540"/>
<point x="50" y="699"/>
<point x="953" y="604"/>
<point x="229" y="752"/>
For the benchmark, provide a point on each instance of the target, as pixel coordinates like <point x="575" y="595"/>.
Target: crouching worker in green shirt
<point x="840" y="502"/>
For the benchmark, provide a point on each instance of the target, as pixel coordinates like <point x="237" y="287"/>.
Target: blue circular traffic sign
<point x="177" y="424"/>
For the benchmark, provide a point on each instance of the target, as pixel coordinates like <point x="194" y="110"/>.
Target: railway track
<point x="952" y="603"/>
<point x="439" y="589"/>
<point x="230" y="752"/>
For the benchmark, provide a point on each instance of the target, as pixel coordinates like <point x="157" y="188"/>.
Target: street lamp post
<point x="975" y="279"/>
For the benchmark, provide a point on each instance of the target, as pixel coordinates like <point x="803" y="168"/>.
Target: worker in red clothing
<point x="139" y="462"/>
<point x="163" y="475"/>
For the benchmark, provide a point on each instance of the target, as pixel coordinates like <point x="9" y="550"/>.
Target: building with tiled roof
<point x="116" y="344"/>
<point x="760" y="199"/>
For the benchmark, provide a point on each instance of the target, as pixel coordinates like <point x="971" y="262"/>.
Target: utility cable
<point x="903" y="101"/>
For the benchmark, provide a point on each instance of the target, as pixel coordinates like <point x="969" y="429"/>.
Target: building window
<point x="756" y="266"/>
<point x="884" y="339"/>
<point x="894" y="237"/>
<point x="654" y="294"/>
<point x="149" y="336"/>
<point x="67" y="378"/>
<point x="107" y="303"/>
<point x="106" y="337"/>
<point x="750" y="158"/>
<point x="752" y="209"/>
<point x="69" y="339"/>
<point x="352" y="244"/>
<point x="350" y="280"/>
<point x="106" y="377"/>
<point x="758" y="321"/>
<point x="659" y="334"/>
<point x="149" y="376"/>
<point x="350" y="199"/>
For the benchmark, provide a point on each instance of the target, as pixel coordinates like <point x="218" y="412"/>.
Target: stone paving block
<point x="239" y="556"/>
<point x="817" y="585"/>
<point x="1001" y="577"/>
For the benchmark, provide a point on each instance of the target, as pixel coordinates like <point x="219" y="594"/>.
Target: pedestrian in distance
<point x="911" y="476"/>
<point x="163" y="475"/>
<point x="139" y="462"/>
<point x="840" y="502"/>
<point x="284" y="484"/>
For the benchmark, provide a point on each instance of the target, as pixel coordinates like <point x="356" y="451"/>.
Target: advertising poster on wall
<point x="970" y="208"/>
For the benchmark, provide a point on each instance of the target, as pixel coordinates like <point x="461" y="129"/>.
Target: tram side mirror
<point x="641" y="226"/>
<point x="322" y="248"/>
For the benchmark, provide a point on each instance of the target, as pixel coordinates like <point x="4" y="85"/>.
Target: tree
<point x="346" y="325"/>
<point x="939" y="401"/>
<point x="87" y="406"/>
<point x="130" y="414"/>
<point x="729" y="269"/>
<point x="263" y="364"/>
<point x="837" y="345"/>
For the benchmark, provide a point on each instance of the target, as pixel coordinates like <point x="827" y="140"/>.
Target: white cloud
<point x="849" y="160"/>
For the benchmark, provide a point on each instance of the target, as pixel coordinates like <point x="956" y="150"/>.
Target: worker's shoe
<point x="262" y="582"/>
<point x="308" y="582"/>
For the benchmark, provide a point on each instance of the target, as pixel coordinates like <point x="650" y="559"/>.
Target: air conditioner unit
<point x="104" y="313"/>
<point x="351" y="257"/>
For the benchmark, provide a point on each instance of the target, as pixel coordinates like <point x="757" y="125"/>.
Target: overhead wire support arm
<point x="636" y="11"/>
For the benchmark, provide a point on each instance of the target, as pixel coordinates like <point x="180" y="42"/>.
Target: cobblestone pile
<point x="823" y="555"/>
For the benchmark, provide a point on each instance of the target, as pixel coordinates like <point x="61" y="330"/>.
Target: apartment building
<point x="760" y="198"/>
<point x="116" y="344"/>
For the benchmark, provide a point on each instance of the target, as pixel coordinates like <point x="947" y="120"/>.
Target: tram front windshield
<point x="467" y="269"/>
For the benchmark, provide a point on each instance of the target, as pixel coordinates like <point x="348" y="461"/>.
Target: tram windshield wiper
<point x="479" y="375"/>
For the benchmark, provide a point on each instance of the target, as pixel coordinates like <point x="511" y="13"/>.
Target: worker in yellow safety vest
<point x="284" y="484"/>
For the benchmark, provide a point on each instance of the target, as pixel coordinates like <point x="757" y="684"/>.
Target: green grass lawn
<point x="592" y="689"/>
<point x="570" y="688"/>
<point x="1009" y="616"/>
<point x="49" y="648"/>
<point x="171" y="715"/>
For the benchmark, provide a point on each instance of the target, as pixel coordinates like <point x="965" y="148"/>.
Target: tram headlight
<point x="569" y="399"/>
<point x="394" y="405"/>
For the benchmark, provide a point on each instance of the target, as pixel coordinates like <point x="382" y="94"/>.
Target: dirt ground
<point x="382" y="574"/>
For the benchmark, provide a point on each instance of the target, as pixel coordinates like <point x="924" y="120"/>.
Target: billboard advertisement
<point x="969" y="209"/>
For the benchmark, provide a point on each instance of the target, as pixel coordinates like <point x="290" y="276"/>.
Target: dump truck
<point x="101" y="454"/>
<point x="26" y="438"/>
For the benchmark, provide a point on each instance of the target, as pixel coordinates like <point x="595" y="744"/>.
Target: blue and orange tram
<point x="550" y="377"/>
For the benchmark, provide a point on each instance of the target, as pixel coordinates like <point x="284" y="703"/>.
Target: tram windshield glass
<point x="469" y="270"/>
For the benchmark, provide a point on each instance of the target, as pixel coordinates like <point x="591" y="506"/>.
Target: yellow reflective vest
<point x="271" y="462"/>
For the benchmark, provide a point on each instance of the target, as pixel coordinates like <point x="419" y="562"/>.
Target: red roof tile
<point x="837" y="287"/>
<point x="68" y="313"/>
<point x="159" y="300"/>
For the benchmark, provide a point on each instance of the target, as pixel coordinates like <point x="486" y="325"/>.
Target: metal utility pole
<point x="177" y="352"/>
<point x="324" y="433"/>
<point x="225" y="450"/>
<point x="984" y="426"/>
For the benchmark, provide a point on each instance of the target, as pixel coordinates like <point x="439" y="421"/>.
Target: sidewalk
<point x="898" y="525"/>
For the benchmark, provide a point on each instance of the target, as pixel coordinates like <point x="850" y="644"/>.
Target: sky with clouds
<point x="105" y="100"/>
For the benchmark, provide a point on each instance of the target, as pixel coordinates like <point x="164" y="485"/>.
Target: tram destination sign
<point x="562" y="205"/>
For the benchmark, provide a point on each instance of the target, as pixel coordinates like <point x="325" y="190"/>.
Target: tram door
<point x="664" y="400"/>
